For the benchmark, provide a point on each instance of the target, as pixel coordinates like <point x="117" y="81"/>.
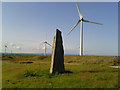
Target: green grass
<point x="81" y="72"/>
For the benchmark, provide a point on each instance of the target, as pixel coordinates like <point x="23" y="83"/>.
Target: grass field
<point x="32" y="71"/>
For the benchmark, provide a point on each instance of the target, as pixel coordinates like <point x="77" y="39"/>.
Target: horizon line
<point x="50" y="54"/>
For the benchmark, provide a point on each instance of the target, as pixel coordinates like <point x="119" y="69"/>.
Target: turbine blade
<point x="74" y="27"/>
<point x="41" y="43"/>
<point x="49" y="44"/>
<point x="92" y="22"/>
<point x="78" y="9"/>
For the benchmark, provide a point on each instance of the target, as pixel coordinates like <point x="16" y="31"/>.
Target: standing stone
<point x="57" y="60"/>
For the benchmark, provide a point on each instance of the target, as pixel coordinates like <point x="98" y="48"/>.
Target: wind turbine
<point x="45" y="47"/>
<point x="6" y="48"/>
<point x="81" y="20"/>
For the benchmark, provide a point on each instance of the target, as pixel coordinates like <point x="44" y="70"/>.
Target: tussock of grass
<point x="43" y="73"/>
<point x="36" y="73"/>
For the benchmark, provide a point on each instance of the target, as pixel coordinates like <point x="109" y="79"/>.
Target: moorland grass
<point x="81" y="72"/>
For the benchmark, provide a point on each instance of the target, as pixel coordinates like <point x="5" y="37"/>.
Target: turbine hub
<point x="81" y="19"/>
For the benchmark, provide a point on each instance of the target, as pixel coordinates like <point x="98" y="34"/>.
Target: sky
<point x="25" y="25"/>
<point x="60" y="0"/>
<point x="0" y="27"/>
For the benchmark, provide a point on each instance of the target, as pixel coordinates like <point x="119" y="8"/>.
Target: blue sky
<point x="25" y="25"/>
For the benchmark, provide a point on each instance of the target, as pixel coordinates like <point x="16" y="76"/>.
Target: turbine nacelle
<point x="45" y="42"/>
<point x="6" y="46"/>
<point x="81" y="19"/>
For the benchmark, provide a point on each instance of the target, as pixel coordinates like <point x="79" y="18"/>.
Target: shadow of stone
<point x="67" y="71"/>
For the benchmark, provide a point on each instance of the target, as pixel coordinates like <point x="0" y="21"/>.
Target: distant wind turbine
<point x="45" y="47"/>
<point x="81" y="20"/>
<point x="5" y="48"/>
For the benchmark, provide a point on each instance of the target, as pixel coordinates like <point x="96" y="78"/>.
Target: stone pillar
<point x="57" y="59"/>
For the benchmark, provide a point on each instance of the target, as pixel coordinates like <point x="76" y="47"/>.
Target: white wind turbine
<point x="45" y="47"/>
<point x="81" y="20"/>
<point x="6" y="47"/>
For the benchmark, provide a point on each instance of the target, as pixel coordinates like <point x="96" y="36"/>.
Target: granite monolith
<point x="57" y="59"/>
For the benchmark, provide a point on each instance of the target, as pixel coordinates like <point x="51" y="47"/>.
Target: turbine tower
<point x="81" y="20"/>
<point x="45" y="47"/>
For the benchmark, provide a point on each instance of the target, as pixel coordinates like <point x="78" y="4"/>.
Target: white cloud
<point x="18" y="47"/>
